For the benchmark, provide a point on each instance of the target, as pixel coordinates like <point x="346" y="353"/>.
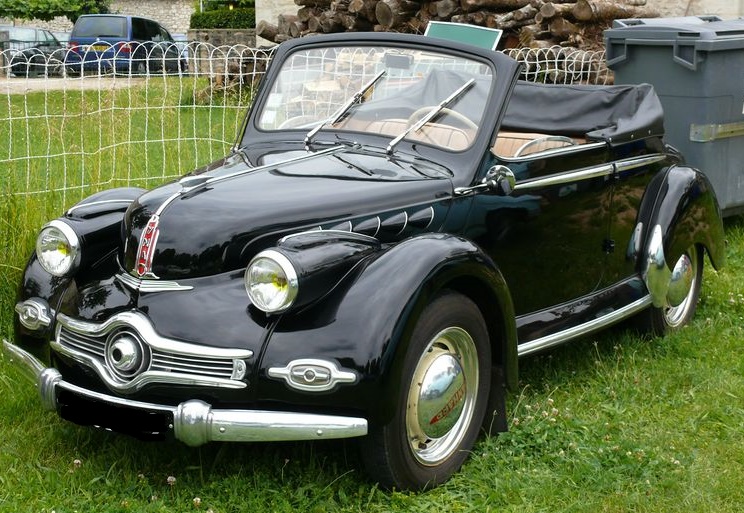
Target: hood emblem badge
<point x="146" y="248"/>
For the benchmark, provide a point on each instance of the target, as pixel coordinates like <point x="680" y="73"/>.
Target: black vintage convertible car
<point x="400" y="220"/>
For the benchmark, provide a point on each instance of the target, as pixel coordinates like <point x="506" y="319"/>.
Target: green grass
<point x="611" y="423"/>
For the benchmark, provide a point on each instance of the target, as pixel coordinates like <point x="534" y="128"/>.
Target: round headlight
<point x="271" y="281"/>
<point x="57" y="248"/>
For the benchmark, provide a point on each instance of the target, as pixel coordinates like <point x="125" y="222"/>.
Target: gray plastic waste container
<point x="696" y="65"/>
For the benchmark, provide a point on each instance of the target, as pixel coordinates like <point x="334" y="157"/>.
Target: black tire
<point x="660" y="321"/>
<point x="450" y="343"/>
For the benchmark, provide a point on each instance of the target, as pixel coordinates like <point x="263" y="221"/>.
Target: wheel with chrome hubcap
<point x="683" y="294"/>
<point x="442" y="400"/>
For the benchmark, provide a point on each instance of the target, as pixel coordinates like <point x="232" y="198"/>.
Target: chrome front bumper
<point x="195" y="422"/>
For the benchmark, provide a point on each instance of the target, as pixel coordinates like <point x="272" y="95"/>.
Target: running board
<point x="584" y="329"/>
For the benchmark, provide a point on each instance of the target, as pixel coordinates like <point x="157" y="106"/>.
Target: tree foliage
<point x="48" y="9"/>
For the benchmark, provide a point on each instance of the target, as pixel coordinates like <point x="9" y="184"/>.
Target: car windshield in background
<point x="314" y="84"/>
<point x="101" y="26"/>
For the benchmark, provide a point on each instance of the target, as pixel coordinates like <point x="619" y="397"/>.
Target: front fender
<point x="96" y="221"/>
<point x="364" y="325"/>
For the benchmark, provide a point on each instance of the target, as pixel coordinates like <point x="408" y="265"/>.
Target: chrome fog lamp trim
<point x="71" y="241"/>
<point x="34" y="314"/>
<point x="312" y="375"/>
<point x="286" y="289"/>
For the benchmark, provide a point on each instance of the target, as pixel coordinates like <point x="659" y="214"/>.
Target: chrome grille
<point x="163" y="360"/>
<point x="204" y="366"/>
<point x="92" y="346"/>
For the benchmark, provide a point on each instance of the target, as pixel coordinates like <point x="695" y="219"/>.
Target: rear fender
<point x="682" y="210"/>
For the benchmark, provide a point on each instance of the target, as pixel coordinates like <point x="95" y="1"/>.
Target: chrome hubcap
<point x="441" y="400"/>
<point x="681" y="289"/>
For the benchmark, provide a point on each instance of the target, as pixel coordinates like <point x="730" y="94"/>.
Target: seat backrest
<point x="507" y="143"/>
<point x="445" y="136"/>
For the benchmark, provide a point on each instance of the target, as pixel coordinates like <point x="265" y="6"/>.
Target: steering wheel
<point x="423" y="111"/>
<point x="548" y="138"/>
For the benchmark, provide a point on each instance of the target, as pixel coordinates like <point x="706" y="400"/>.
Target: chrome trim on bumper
<point x="195" y="422"/>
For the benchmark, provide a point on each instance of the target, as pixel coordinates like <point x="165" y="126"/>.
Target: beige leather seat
<point x="445" y="136"/>
<point x="508" y="143"/>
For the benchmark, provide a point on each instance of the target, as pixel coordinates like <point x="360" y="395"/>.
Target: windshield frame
<point x="427" y="46"/>
<point x="468" y="166"/>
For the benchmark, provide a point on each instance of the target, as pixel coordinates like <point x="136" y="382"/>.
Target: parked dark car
<point x="400" y="220"/>
<point x="105" y="43"/>
<point x="32" y="52"/>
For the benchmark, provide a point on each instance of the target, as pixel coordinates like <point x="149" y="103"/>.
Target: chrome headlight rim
<point x="72" y="241"/>
<point x="290" y="275"/>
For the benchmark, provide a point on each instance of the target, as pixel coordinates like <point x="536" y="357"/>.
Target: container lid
<point x="687" y="28"/>
<point x="690" y="37"/>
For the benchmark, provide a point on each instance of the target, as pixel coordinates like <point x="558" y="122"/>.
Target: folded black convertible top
<point x="612" y="113"/>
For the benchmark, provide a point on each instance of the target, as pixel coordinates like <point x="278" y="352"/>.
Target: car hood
<point x="193" y="228"/>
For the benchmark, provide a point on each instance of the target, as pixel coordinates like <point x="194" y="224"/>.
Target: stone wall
<point x="175" y="15"/>
<point x="224" y="37"/>
<point x="724" y="8"/>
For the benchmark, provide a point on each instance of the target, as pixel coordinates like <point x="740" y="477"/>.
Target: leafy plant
<point x="224" y="19"/>
<point x="47" y="10"/>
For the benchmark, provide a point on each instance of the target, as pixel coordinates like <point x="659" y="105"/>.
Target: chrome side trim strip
<point x="146" y="286"/>
<point x="552" y="152"/>
<point x="195" y="422"/>
<point x="584" y="329"/>
<point x="608" y="169"/>
<point x="635" y="162"/>
<point x="564" y="178"/>
<point x="320" y="230"/>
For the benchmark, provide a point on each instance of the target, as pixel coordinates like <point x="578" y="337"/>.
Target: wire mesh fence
<point x="73" y="121"/>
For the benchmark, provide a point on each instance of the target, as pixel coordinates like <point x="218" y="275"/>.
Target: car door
<point x="549" y="236"/>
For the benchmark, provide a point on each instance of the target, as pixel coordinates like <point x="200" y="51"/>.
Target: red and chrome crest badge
<point x="146" y="247"/>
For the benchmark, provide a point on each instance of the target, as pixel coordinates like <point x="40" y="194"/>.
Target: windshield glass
<point x="314" y="86"/>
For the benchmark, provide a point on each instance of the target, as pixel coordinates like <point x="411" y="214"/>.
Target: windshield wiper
<point x="431" y="114"/>
<point x="341" y="112"/>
